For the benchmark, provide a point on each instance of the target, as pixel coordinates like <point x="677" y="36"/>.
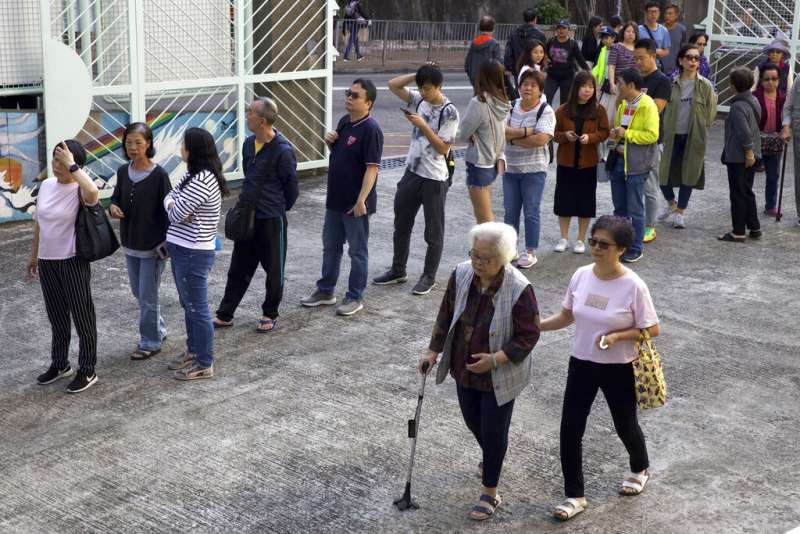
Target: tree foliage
<point x="551" y="11"/>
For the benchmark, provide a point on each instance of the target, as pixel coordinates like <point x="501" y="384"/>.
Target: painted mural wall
<point x="22" y="163"/>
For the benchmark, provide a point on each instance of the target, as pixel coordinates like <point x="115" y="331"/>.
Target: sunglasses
<point x="351" y="94"/>
<point x="691" y="57"/>
<point x="602" y="244"/>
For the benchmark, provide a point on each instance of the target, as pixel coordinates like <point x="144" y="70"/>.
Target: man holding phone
<point x="356" y="147"/>
<point x="425" y="182"/>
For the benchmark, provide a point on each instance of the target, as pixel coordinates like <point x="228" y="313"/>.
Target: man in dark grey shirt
<point x="677" y="36"/>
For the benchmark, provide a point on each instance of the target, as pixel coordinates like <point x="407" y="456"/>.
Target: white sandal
<point x="635" y="483"/>
<point x="570" y="508"/>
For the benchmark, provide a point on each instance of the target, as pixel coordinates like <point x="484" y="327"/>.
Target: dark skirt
<point x="576" y="191"/>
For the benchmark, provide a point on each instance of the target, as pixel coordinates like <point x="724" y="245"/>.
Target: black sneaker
<point x="390" y="277"/>
<point x="632" y="258"/>
<point x="756" y="234"/>
<point x="81" y="383"/>
<point x="53" y="374"/>
<point x="424" y="286"/>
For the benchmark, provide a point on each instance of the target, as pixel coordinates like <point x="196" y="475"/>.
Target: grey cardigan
<point x="742" y="130"/>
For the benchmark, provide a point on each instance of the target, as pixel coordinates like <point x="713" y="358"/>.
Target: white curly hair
<point x="503" y="236"/>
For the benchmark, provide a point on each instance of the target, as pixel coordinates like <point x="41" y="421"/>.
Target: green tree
<point x="551" y="11"/>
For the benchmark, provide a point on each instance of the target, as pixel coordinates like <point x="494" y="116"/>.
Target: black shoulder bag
<point x="240" y="220"/>
<point x="94" y="237"/>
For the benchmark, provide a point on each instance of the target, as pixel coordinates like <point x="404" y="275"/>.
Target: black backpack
<point x="539" y="116"/>
<point x="449" y="158"/>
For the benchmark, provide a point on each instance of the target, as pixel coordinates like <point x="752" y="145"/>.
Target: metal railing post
<point x="385" y="38"/>
<point x="430" y="39"/>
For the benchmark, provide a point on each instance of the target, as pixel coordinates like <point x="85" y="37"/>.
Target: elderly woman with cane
<point x="488" y="323"/>
<point x="610" y="305"/>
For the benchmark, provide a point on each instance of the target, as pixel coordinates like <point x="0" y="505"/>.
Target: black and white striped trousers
<point x="66" y="286"/>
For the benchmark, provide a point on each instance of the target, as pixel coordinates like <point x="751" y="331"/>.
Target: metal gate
<point x="738" y="31"/>
<point x="184" y="63"/>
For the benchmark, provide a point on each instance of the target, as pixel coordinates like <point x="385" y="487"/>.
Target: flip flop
<point x="270" y="325"/>
<point x="219" y="323"/>
<point x="141" y="354"/>
<point x="730" y="238"/>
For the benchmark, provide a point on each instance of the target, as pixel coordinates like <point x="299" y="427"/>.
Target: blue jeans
<point x="524" y="191"/>
<point x="772" y="163"/>
<point x="190" y="268"/>
<point x="353" y="40"/>
<point x="627" y="194"/>
<point x="338" y="228"/>
<point x="144" y="275"/>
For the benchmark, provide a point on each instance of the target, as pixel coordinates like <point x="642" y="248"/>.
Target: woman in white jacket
<point x="483" y="127"/>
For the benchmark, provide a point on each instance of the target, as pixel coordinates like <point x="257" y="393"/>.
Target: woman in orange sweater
<point x="581" y="124"/>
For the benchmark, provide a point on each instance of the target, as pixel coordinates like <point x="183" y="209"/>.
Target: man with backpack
<point x="520" y="38"/>
<point x="426" y="179"/>
<point x="355" y="18"/>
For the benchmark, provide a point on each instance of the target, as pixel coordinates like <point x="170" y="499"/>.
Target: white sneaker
<point x="527" y="260"/>
<point x="679" y="222"/>
<point x="667" y="211"/>
<point x="579" y="247"/>
<point x="562" y="246"/>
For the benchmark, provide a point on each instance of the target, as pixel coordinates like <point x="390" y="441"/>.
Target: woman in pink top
<point x="609" y="305"/>
<point x="65" y="278"/>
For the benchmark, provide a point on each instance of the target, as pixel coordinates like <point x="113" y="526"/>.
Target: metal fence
<point x="406" y="44"/>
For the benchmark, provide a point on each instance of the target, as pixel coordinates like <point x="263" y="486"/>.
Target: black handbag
<point x="240" y="220"/>
<point x="94" y="237"/>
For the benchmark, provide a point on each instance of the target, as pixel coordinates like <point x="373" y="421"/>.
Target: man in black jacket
<point x="270" y="176"/>
<point x="483" y="48"/>
<point x="520" y="38"/>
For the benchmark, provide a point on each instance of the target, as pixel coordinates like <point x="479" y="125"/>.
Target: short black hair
<point x="651" y="4"/>
<point x="766" y="68"/>
<point x="620" y="228"/>
<point x="741" y="79"/>
<point x="632" y="76"/>
<point x="695" y="36"/>
<point x="142" y="129"/>
<point x="615" y="21"/>
<point x="673" y="6"/>
<point x="486" y="23"/>
<point x="530" y="15"/>
<point x="429" y="74"/>
<point x="78" y="152"/>
<point x="647" y="44"/>
<point x="369" y="88"/>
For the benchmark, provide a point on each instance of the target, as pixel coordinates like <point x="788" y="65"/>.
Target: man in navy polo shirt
<point x="356" y="147"/>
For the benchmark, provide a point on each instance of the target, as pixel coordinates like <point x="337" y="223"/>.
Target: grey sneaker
<point x="424" y="286"/>
<point x="390" y="277"/>
<point x="349" y="307"/>
<point x="318" y="298"/>
<point x="679" y="221"/>
<point x="184" y="359"/>
<point x="195" y="372"/>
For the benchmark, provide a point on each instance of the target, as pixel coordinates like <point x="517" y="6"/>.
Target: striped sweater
<point x="201" y="198"/>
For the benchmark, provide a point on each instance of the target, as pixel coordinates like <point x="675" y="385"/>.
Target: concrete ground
<point x="304" y="430"/>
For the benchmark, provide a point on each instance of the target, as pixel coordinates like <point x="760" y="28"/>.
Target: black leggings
<point x="583" y="381"/>
<point x="489" y="423"/>
<point x="561" y="82"/>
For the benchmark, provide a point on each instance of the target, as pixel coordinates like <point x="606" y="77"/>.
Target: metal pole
<point x="430" y="39"/>
<point x="385" y="24"/>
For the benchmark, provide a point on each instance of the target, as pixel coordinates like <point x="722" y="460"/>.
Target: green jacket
<point x="704" y="110"/>
<point x="600" y="70"/>
<point x="641" y="136"/>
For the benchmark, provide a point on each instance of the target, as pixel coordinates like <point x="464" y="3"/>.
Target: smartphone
<point x="404" y="110"/>
<point x="162" y="252"/>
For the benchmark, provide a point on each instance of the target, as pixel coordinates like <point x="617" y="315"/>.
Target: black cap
<point x="563" y="23"/>
<point x="607" y="30"/>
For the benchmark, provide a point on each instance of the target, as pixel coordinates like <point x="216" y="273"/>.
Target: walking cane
<point x="780" y="194"/>
<point x="406" y="502"/>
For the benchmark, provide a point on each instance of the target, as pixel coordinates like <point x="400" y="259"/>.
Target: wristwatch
<point x="74" y="168"/>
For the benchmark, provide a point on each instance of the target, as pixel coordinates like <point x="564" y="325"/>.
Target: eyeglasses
<point x="691" y="57"/>
<point x="602" y="244"/>
<point x="351" y="94"/>
<point x="771" y="79"/>
<point x="479" y="259"/>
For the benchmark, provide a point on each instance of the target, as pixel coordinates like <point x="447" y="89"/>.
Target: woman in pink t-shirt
<point x="609" y="305"/>
<point x="65" y="278"/>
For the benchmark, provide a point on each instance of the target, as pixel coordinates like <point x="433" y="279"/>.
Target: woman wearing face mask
<point x="194" y="208"/>
<point x="581" y="124"/>
<point x="609" y="305"/>
<point x="138" y="204"/>
<point x="687" y="118"/>
<point x="65" y="278"/>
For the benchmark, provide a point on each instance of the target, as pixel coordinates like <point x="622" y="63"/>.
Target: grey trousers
<point x="652" y="191"/>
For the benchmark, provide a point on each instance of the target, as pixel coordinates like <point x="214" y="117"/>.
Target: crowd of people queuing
<point x="637" y="102"/>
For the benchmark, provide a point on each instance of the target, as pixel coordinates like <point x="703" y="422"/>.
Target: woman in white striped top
<point x="194" y="209"/>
